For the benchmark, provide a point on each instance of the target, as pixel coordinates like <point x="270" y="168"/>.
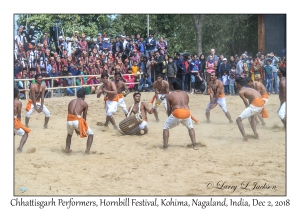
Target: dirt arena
<point x="137" y="165"/>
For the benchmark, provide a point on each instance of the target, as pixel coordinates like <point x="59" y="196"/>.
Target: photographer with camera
<point x="145" y="83"/>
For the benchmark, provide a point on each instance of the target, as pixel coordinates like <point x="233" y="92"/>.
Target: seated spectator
<point x="129" y="79"/>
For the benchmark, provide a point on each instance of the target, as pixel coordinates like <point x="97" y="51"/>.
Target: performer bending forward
<point x="77" y="122"/>
<point x="254" y="104"/>
<point x="217" y="96"/>
<point x="142" y="108"/>
<point x="178" y="112"/>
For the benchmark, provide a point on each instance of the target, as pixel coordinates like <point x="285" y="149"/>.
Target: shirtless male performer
<point x="111" y="100"/>
<point x="161" y="88"/>
<point x="263" y="92"/>
<point x="120" y="85"/>
<point x="142" y="108"/>
<point x="179" y="112"/>
<point x="254" y="104"/>
<point x="217" y="96"/>
<point x="282" y="95"/>
<point x="75" y="121"/>
<point x="36" y="100"/>
<point x="19" y="128"/>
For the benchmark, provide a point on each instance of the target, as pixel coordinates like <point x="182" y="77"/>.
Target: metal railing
<point x="52" y="88"/>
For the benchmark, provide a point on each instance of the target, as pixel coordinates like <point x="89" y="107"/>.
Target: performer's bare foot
<point x="256" y="136"/>
<point x="157" y="120"/>
<point x="207" y="121"/>
<point x="27" y="126"/>
<point x="195" y="147"/>
<point x="46" y="126"/>
<point x="87" y="152"/>
<point x="19" y="150"/>
<point x="165" y="147"/>
<point x="263" y="124"/>
<point x="68" y="151"/>
<point x="245" y="138"/>
<point x="230" y="121"/>
<point x="105" y="128"/>
<point x="115" y="127"/>
<point x="100" y="123"/>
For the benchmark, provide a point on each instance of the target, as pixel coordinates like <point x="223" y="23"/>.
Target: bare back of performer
<point x="179" y="112"/>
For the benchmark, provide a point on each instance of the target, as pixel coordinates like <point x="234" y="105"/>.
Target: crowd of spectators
<point x="81" y="55"/>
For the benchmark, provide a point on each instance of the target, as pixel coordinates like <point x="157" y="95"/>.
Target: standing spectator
<point x="214" y="56"/>
<point x="158" y="59"/>
<point x="124" y="42"/>
<point x="106" y="45"/>
<point x="273" y="64"/>
<point x="219" y="62"/>
<point x="162" y="46"/>
<point x="240" y="66"/>
<point x="210" y="67"/>
<point x="268" y="76"/>
<point x="150" y="68"/>
<point x="231" y="84"/>
<point x="141" y="46"/>
<point x="225" y="82"/>
<point x="224" y="67"/>
<point x="203" y="64"/>
<point x="194" y="71"/>
<point x="117" y="47"/>
<point x="184" y="67"/>
<point x="171" y="72"/>
<point x="150" y="44"/>
<point x="231" y="61"/>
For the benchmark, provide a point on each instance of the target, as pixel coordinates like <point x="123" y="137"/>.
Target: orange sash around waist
<point x="18" y="125"/>
<point x="265" y="95"/>
<point x="29" y="103"/>
<point x="222" y="95"/>
<point x="181" y="113"/>
<point x="152" y="99"/>
<point x="83" y="126"/>
<point x="120" y="95"/>
<point x="116" y="99"/>
<point x="259" y="102"/>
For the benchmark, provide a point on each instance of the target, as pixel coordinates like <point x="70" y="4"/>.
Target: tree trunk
<point x="198" y="21"/>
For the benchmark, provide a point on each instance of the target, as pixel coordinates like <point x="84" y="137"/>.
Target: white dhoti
<point x="172" y="122"/>
<point x="38" y="104"/>
<point x="72" y="125"/>
<point x="221" y="102"/>
<point x="250" y="111"/>
<point x="121" y="103"/>
<point x="282" y="111"/>
<point x="111" y="107"/>
<point x="164" y="101"/>
<point x="143" y="125"/>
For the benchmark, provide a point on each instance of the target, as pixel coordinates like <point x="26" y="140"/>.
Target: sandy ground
<point x="137" y="165"/>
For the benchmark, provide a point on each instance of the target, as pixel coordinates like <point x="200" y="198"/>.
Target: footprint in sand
<point x="31" y="150"/>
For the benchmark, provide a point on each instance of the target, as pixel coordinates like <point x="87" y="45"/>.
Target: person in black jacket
<point x="158" y="59"/>
<point x="117" y="47"/>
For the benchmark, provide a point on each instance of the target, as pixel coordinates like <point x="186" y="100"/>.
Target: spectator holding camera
<point x="145" y="83"/>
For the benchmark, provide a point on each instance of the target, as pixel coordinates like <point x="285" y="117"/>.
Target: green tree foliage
<point x="228" y="34"/>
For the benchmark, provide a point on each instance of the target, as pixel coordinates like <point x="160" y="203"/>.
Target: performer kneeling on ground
<point x="19" y="128"/>
<point x="75" y="121"/>
<point x="178" y="112"/>
<point x="254" y="104"/>
<point x="111" y="99"/>
<point x="142" y="108"/>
